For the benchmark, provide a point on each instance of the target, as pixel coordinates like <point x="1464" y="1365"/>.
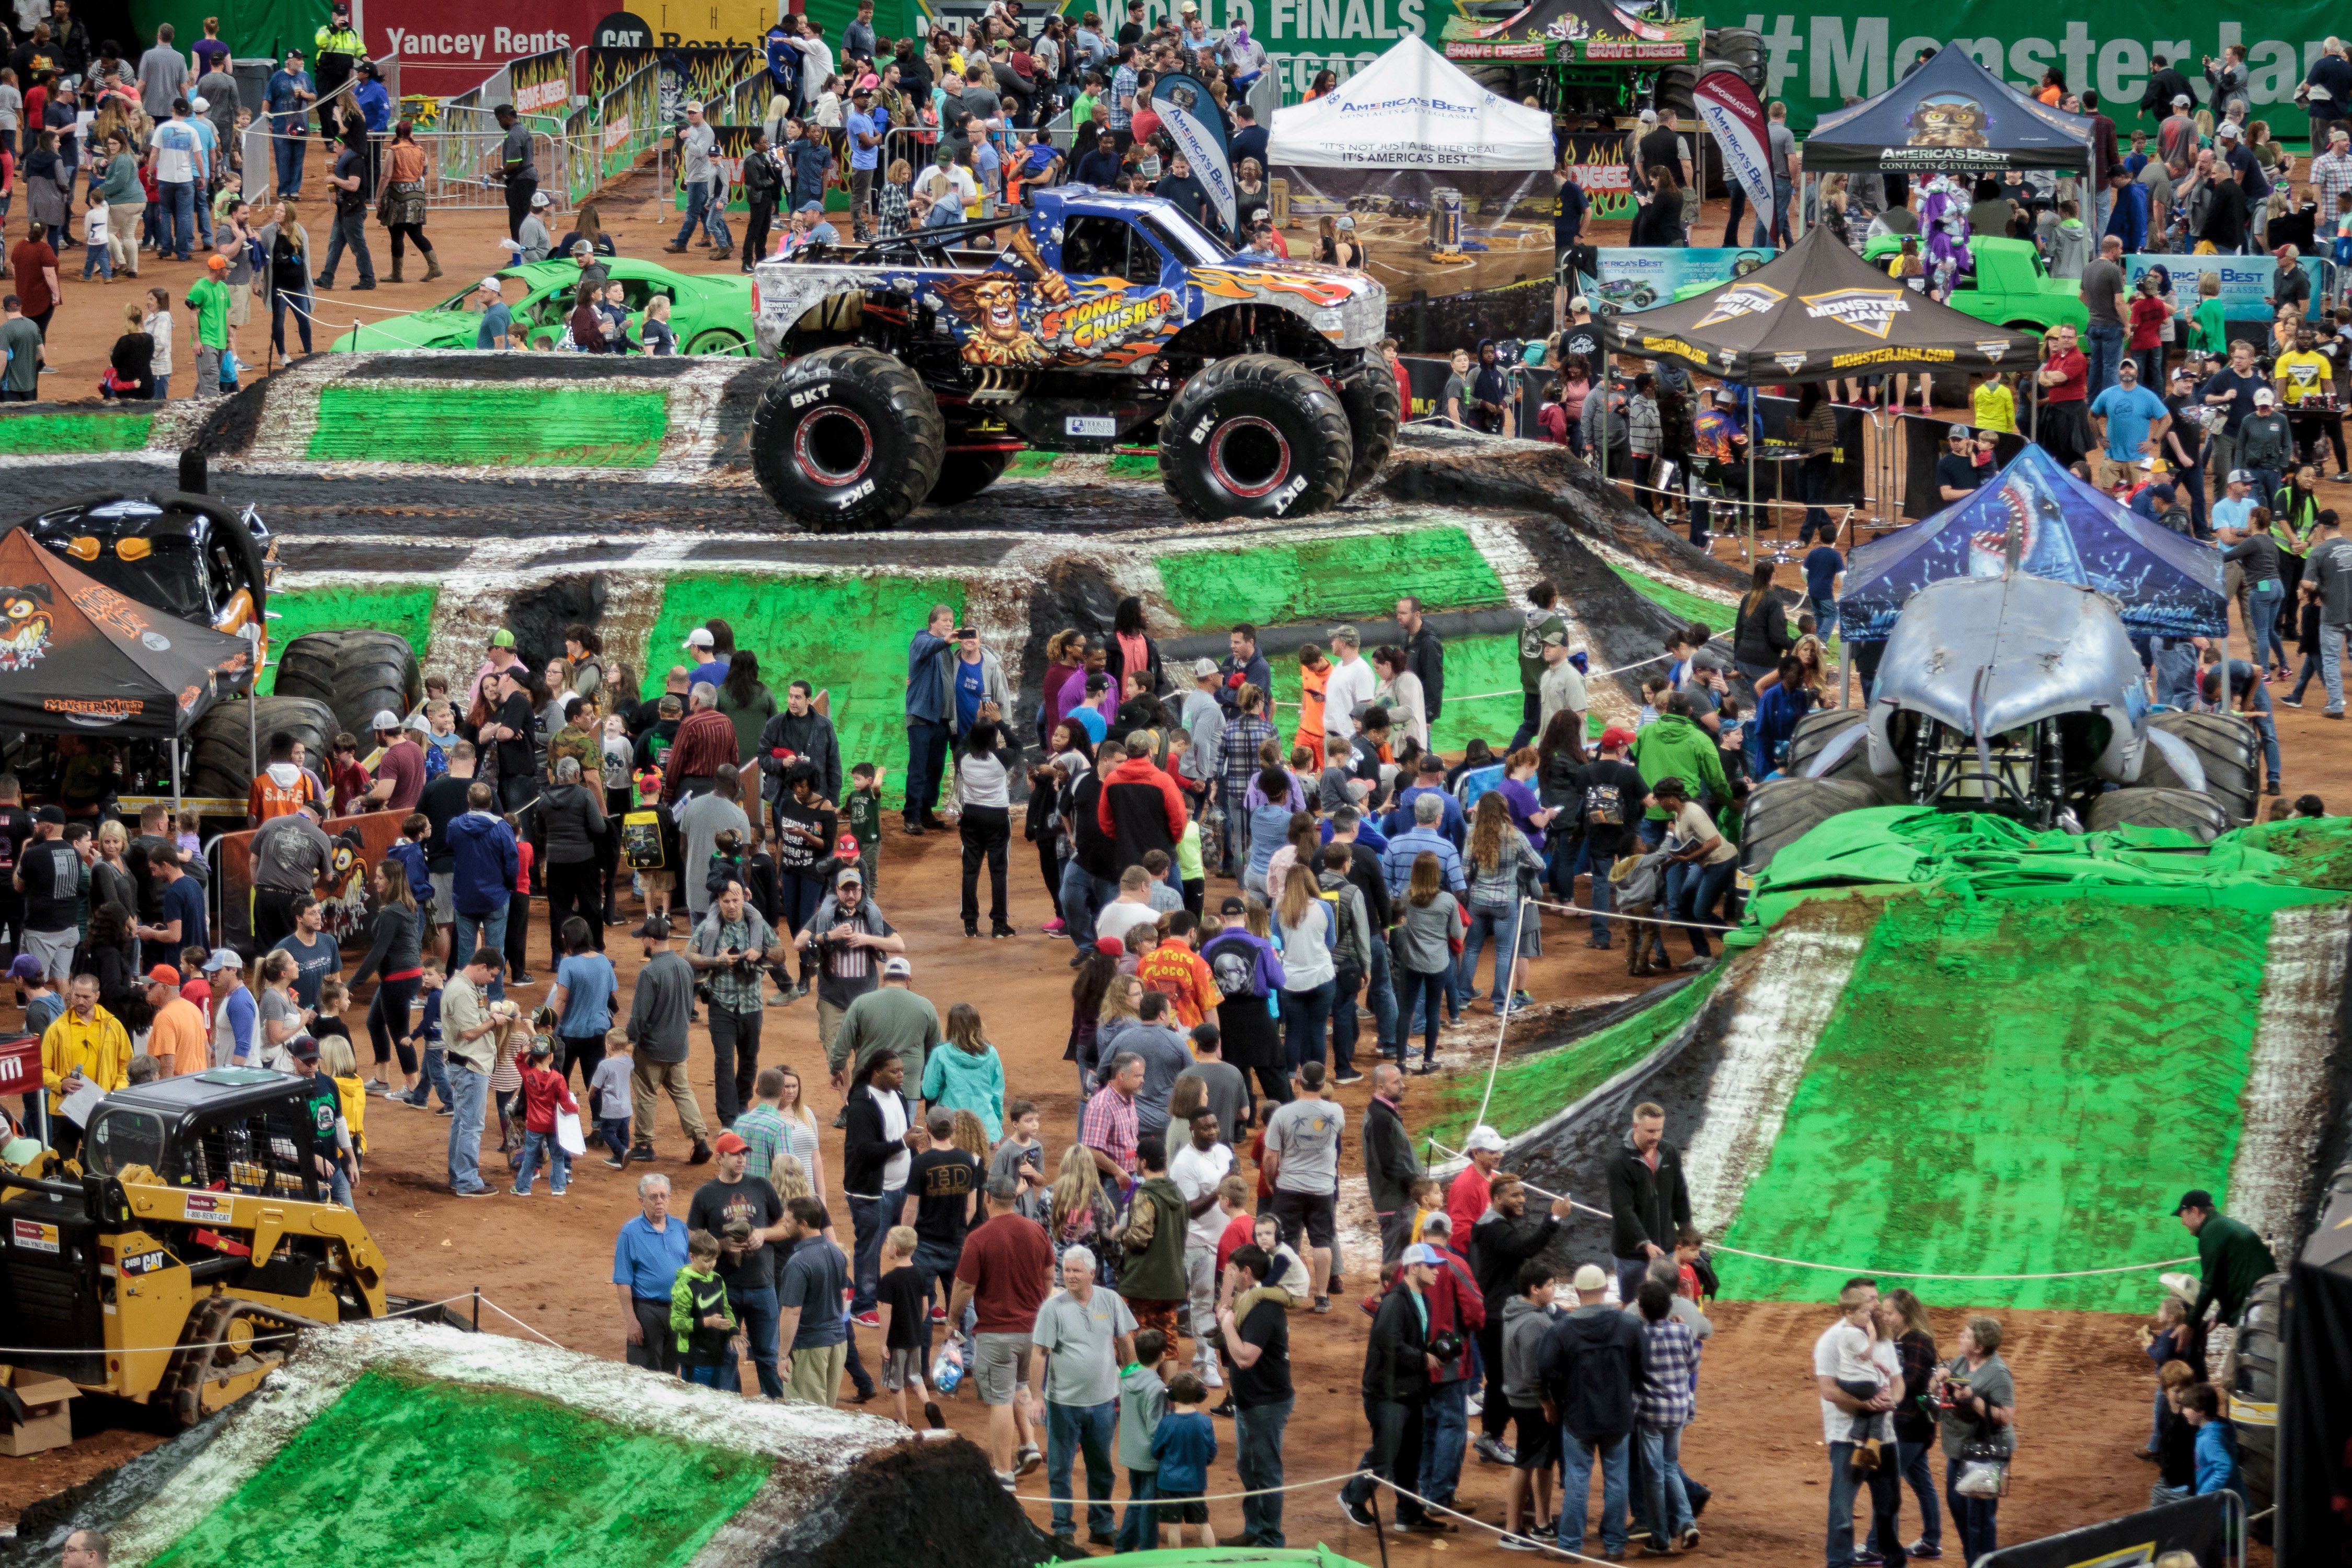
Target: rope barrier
<point x="1852" y="1269"/>
<point x="1343" y="1476"/>
<point x="1550" y="1546"/>
<point x="260" y="1338"/>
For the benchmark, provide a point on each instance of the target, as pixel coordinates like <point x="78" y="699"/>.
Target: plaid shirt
<point x="1122" y="86"/>
<point x="1237" y="762"/>
<point x="1109" y="1124"/>
<point x="762" y="1127"/>
<point x="2331" y="175"/>
<point x="736" y="993"/>
<point x="1670" y="1374"/>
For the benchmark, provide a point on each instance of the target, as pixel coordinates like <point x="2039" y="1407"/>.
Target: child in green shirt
<point x="2208" y="329"/>
<point x="698" y="1314"/>
<point x="208" y="299"/>
<point x="862" y="811"/>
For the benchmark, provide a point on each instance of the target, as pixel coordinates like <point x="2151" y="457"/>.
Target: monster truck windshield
<point x="1184" y="238"/>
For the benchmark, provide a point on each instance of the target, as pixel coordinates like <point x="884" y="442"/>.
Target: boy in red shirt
<point x="544" y="1092"/>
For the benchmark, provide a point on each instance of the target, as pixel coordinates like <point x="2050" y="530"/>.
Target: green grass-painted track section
<point x="1328" y="579"/>
<point x="843" y="634"/>
<point x="490" y="424"/>
<point x="39" y="434"/>
<point x="403" y="1473"/>
<point x="1687" y="607"/>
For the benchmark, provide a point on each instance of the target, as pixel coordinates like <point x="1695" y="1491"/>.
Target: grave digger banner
<point x="1817" y="58"/>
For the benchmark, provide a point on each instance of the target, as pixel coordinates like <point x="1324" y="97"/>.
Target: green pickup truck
<point x="2011" y="289"/>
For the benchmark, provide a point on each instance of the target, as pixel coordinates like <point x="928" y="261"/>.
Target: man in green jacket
<point x="1675" y="745"/>
<point x="1151" y="1275"/>
<point x="2231" y="1257"/>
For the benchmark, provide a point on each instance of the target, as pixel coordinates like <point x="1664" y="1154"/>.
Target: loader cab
<point x="238" y="1130"/>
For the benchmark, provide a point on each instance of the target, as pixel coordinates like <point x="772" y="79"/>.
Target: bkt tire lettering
<point x="816" y="393"/>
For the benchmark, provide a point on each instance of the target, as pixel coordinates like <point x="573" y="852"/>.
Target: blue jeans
<point x="755" y="1309"/>
<point x="614" y="1130"/>
<point x="1604" y="893"/>
<point x="437" y="1077"/>
<point x="927" y="757"/>
<point x="472" y="1102"/>
<point x="2176" y="671"/>
<point x="1305" y="1015"/>
<point x="1825" y="619"/>
<point x="1257" y="1456"/>
<point x="2103" y="346"/>
<point x="870" y="1220"/>
<point x="1444" y="1434"/>
<point x="1912" y="1466"/>
<point x="1071" y="1429"/>
<point x="475" y="932"/>
<point x="1844" y="1485"/>
<point x="1344" y="1031"/>
<point x="1083" y="898"/>
<point x="1782" y="193"/>
<point x="1501" y="922"/>
<point x="1975" y="1520"/>
<point x="288" y="150"/>
<point x="99" y="258"/>
<point x="1138" y="1528"/>
<point x="283" y="302"/>
<point x="1630" y="1272"/>
<point x="559" y="1164"/>
<point x="1700" y="890"/>
<point x="1576" y="1485"/>
<point x="704" y="1373"/>
<point x="1382" y="998"/>
<point x="698" y="209"/>
<point x="1668" y="1504"/>
<point x="176" y="205"/>
<point x="2265" y="640"/>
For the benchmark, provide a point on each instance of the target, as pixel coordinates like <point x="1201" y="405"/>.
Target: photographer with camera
<point x="726" y="954"/>
<point x="1976" y="1399"/>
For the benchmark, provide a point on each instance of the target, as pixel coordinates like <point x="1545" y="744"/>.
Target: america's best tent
<point x="1817" y="311"/>
<point x="2167" y="586"/>
<point x="1950" y="113"/>
<point x="77" y="657"/>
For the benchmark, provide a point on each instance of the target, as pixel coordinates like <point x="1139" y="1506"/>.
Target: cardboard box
<point x="49" y="1423"/>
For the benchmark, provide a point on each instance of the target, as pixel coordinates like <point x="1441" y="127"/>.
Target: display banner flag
<point x="1727" y="106"/>
<point x="1191" y="116"/>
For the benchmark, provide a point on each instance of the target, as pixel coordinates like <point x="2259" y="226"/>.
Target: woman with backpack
<point x="1250" y="975"/>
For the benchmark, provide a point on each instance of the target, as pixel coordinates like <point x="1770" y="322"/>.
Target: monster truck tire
<point x="845" y="439"/>
<point x="2250" y="1388"/>
<point x="963" y="475"/>
<point x="1255" y="436"/>
<point x="1373" y="408"/>
<point x="1674" y="91"/>
<point x="357" y="673"/>
<point x="1816" y="731"/>
<point x="2141" y="806"/>
<point x="1784" y="810"/>
<point x="219" y="765"/>
<point x="2229" y="747"/>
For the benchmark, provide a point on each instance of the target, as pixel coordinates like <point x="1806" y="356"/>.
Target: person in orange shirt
<point x="1177" y="971"/>
<point x="1314" y="676"/>
<point x="178" y="1036"/>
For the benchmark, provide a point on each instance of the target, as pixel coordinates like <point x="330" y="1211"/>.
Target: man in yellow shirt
<point x="2305" y="380"/>
<point x="178" y="1039"/>
<point x="86" y="1044"/>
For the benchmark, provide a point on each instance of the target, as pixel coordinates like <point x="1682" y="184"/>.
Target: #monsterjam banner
<point x="1201" y="137"/>
<point x="1819" y="57"/>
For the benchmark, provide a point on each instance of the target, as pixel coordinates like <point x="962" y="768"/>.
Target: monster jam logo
<point x="1892" y="356"/>
<point x="1691" y="352"/>
<point x="1992" y="349"/>
<point x="1086" y="328"/>
<point x="1869" y="310"/>
<point x="24" y="625"/>
<point x="1791" y="362"/>
<point x="1746" y="300"/>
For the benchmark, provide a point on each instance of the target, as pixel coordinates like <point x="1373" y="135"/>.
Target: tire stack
<point x="226" y="738"/>
<point x="355" y="673"/>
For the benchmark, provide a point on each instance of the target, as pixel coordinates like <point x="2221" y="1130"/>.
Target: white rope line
<point x="510" y="1318"/>
<point x="1851" y="1269"/>
<point x="1621" y="915"/>
<point x="1551" y="1545"/>
<point x="271" y="1334"/>
<point x="1212" y="1497"/>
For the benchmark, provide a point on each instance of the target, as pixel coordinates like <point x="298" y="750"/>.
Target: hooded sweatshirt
<point x="1525" y="1325"/>
<point x="485" y="863"/>
<point x="1140" y="809"/>
<point x="1592" y="1364"/>
<point x="1672" y="746"/>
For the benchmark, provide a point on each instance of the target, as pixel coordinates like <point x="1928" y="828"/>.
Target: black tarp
<point x="77" y="657"/>
<point x="1950" y="113"/>
<point x="2315" y="1406"/>
<point x="2207" y="1527"/>
<point x="1817" y="311"/>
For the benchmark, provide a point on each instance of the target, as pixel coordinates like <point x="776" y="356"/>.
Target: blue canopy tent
<point x="1950" y="113"/>
<point x="2168" y="586"/>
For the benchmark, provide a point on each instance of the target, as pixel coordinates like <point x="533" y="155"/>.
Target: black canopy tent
<point x="79" y="657"/>
<point x="1950" y="113"/>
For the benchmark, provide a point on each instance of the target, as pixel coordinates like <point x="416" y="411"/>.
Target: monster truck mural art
<point x="916" y="366"/>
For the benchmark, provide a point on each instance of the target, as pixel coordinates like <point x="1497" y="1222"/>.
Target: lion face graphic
<point x="1949" y="119"/>
<point x="991" y="305"/>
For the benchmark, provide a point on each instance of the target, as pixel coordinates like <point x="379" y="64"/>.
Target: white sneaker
<point x="1211" y="1378"/>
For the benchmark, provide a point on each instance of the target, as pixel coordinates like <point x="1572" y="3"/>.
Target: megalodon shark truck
<point x="916" y="366"/>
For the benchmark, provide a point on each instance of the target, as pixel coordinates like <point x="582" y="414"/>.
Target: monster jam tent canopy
<point x="1817" y="311"/>
<point x="1407" y="124"/>
<point x="2167" y="586"/>
<point x="1950" y="113"/>
<point x="76" y="657"/>
<point x="1587" y="32"/>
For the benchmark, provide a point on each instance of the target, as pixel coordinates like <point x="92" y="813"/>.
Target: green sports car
<point x="710" y="313"/>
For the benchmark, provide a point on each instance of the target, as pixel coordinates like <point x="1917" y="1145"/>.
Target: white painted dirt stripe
<point x="2269" y="1180"/>
<point x="1714" y="594"/>
<point x="1777" y="1017"/>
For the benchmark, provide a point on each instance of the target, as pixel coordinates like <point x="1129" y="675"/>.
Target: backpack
<point x="641" y="839"/>
<point x="1234" y="966"/>
<point x="1604" y="806"/>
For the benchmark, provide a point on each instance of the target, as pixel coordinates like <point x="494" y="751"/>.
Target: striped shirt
<point x="1109" y="1124"/>
<point x="1122" y="88"/>
<point x="1670" y="1374"/>
<point x="2331" y="175"/>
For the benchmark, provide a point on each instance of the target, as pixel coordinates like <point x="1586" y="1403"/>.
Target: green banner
<point x="1819" y="58"/>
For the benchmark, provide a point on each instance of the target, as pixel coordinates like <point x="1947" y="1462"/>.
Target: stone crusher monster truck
<point x="915" y="367"/>
<point x="2019" y="696"/>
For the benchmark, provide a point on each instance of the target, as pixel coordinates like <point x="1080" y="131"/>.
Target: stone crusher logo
<point x="1108" y="325"/>
<point x="1747" y="300"/>
<point x="24" y="625"/>
<point x="111" y="610"/>
<point x="1870" y="311"/>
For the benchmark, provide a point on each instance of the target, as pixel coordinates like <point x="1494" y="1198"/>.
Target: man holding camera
<point x="728" y="952"/>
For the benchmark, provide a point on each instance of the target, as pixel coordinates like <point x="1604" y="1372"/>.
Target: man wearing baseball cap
<point x="851" y="941"/>
<point x="400" y="771"/>
<point x="496" y="329"/>
<point x="701" y="644"/>
<point x="2266" y="445"/>
<point x="2231" y="1257"/>
<point x="743" y="1211"/>
<point x="1960" y="470"/>
<point x="659" y="1012"/>
<point x="177" y="1038"/>
<point x="1395" y="1388"/>
<point x="892" y="1017"/>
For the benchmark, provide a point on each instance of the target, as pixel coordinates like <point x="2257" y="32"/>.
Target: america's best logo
<point x="1870" y="311"/>
<point x="1746" y="300"/>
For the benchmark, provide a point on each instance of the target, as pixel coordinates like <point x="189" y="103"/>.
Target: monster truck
<point x="2019" y="696"/>
<point x="916" y="366"/>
